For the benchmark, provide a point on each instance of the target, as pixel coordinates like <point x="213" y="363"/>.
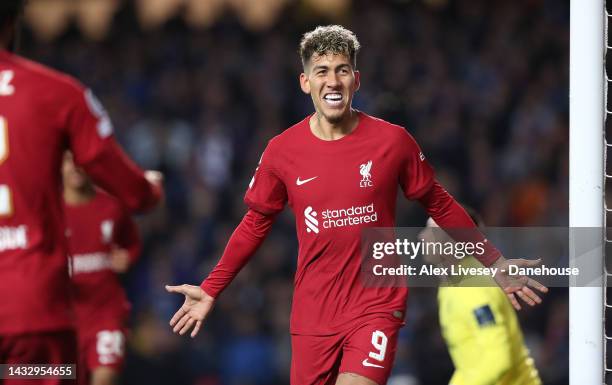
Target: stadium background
<point x="196" y="88"/>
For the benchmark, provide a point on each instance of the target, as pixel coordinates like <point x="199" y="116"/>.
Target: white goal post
<point x="586" y="183"/>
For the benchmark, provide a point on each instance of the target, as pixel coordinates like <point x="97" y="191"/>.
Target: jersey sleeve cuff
<point x="490" y="255"/>
<point x="208" y="289"/>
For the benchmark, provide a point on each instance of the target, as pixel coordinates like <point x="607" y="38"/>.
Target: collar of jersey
<point x="335" y="142"/>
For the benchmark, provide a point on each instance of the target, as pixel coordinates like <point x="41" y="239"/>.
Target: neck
<point x="326" y="130"/>
<point x="80" y="195"/>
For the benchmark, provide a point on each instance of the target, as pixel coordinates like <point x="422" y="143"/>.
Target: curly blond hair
<point x="329" y="39"/>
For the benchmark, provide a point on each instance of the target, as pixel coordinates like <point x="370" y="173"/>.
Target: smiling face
<point x="331" y="81"/>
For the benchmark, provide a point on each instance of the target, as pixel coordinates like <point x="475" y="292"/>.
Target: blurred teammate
<point x="339" y="170"/>
<point x="43" y="113"/>
<point x="103" y="240"/>
<point x="480" y="326"/>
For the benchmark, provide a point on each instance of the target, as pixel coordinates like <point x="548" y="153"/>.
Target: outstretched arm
<point x="243" y="243"/>
<point x="451" y="217"/>
<point x="89" y="133"/>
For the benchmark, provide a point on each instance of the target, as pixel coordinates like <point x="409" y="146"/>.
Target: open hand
<point x="196" y="307"/>
<point x="518" y="285"/>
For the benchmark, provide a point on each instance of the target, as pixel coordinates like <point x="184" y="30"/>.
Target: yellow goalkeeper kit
<point x="483" y="335"/>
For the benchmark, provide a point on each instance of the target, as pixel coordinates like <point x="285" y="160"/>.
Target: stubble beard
<point x="334" y="118"/>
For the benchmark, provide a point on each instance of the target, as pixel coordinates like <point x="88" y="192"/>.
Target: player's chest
<point x="89" y="233"/>
<point x="359" y="176"/>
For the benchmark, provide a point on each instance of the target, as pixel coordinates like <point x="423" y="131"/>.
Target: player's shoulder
<point x="39" y="74"/>
<point x="387" y="131"/>
<point x="291" y="136"/>
<point x="385" y="127"/>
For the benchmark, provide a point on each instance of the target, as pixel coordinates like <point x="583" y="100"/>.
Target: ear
<point x="357" y="80"/>
<point x="304" y="83"/>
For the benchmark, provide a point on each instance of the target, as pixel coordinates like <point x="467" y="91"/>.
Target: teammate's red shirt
<point x="336" y="189"/>
<point x="93" y="229"/>
<point x="43" y="113"/>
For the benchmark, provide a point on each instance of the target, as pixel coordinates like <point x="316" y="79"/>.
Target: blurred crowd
<point x="483" y="87"/>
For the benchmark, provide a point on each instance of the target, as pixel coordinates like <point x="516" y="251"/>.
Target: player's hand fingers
<point x="531" y="294"/>
<point x="528" y="262"/>
<point x="177" y="316"/>
<point x="537" y="285"/>
<point x="187" y="326"/>
<point x="525" y="298"/>
<point x="179" y="325"/>
<point x="513" y="301"/>
<point x="189" y="291"/>
<point x="196" y="329"/>
<point x="180" y="289"/>
<point x="154" y="177"/>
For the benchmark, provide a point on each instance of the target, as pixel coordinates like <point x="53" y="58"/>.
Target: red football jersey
<point x="42" y="114"/>
<point x="93" y="229"/>
<point x="336" y="189"/>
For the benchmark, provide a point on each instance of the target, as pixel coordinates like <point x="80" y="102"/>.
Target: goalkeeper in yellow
<point x="480" y="326"/>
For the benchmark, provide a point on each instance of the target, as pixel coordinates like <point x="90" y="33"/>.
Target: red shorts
<point x="367" y="349"/>
<point x="57" y="347"/>
<point x="103" y="345"/>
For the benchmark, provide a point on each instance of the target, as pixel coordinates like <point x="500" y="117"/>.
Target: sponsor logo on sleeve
<point x="253" y="178"/>
<point x="105" y="126"/>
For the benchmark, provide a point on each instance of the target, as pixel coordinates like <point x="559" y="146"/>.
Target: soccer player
<point x="42" y="114"/>
<point x="480" y="326"/>
<point x="103" y="240"/>
<point x="339" y="170"/>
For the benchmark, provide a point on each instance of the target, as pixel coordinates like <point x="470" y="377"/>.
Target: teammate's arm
<point x="243" y="243"/>
<point x="90" y="137"/>
<point x="111" y="169"/>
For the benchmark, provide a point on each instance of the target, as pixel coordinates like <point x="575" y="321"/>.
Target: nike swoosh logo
<point x="366" y="363"/>
<point x="301" y="182"/>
